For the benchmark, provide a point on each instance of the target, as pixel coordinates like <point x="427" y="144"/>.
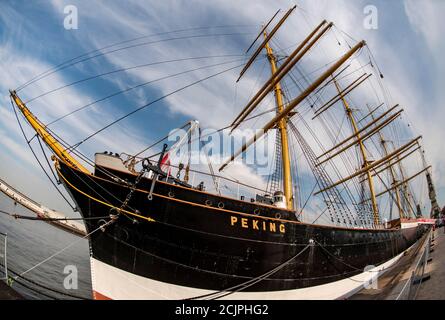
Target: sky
<point x="407" y="45"/>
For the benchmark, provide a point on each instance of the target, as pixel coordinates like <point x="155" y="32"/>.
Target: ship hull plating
<point x="203" y="241"/>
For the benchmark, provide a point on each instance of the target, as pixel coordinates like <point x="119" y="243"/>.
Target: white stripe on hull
<point x="114" y="283"/>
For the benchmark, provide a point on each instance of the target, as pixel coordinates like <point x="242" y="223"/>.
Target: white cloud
<point x="426" y="19"/>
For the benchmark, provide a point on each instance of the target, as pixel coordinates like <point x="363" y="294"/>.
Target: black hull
<point x="199" y="245"/>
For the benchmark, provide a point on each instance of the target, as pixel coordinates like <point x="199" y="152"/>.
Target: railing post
<point x="5" y="246"/>
<point x="416" y="278"/>
<point x="411" y="282"/>
<point x="427" y="252"/>
<point x="6" y="257"/>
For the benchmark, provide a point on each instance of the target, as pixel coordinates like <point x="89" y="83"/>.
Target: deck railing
<point x="4" y="256"/>
<point x="412" y="285"/>
<point x="220" y="185"/>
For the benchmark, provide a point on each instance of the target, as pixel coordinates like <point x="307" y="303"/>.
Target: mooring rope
<point x="251" y="282"/>
<point x="101" y="227"/>
<point x="11" y="282"/>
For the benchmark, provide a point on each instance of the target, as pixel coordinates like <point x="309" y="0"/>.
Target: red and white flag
<point x="165" y="163"/>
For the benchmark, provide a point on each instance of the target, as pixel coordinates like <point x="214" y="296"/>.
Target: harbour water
<point x="30" y="242"/>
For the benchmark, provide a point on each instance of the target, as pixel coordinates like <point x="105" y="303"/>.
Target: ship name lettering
<point x="253" y="224"/>
<point x="273" y="227"/>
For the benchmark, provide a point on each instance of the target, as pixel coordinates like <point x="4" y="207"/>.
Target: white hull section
<point x="113" y="283"/>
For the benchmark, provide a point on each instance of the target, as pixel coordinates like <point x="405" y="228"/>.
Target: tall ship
<point x="160" y="229"/>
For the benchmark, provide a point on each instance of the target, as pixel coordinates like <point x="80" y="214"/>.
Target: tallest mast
<point x="282" y="128"/>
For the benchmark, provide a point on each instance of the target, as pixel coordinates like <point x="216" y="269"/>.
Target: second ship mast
<point x="282" y="128"/>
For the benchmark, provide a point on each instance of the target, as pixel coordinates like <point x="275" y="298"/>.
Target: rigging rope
<point x="46" y="158"/>
<point x="123" y="42"/>
<point x="112" y="176"/>
<point x="150" y="103"/>
<point x="305" y="78"/>
<point x="64" y="66"/>
<point x="345" y="159"/>
<point x="101" y="227"/>
<point x="104" y="202"/>
<point x="121" y="119"/>
<point x="384" y="90"/>
<point x="138" y="86"/>
<point x="126" y="69"/>
<point x="91" y="162"/>
<point x="319" y="97"/>
<point x="39" y="162"/>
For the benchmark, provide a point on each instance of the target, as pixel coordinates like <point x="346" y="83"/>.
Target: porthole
<point x="256" y="211"/>
<point x="278" y="215"/>
<point x="171" y="194"/>
<point x="123" y="234"/>
<point x="208" y="203"/>
<point x="221" y="205"/>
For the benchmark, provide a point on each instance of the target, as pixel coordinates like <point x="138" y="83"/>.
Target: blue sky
<point x="407" y="46"/>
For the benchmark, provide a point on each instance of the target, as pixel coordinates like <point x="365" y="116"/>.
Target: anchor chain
<point x="130" y="194"/>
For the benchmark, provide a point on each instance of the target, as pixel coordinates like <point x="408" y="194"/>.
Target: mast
<point x="290" y="62"/>
<point x="435" y="209"/>
<point x="366" y="162"/>
<point x="282" y="128"/>
<point x="273" y="84"/>
<point x="407" y="197"/>
<point x="48" y="138"/>
<point x="294" y="103"/>
<point x="383" y="142"/>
